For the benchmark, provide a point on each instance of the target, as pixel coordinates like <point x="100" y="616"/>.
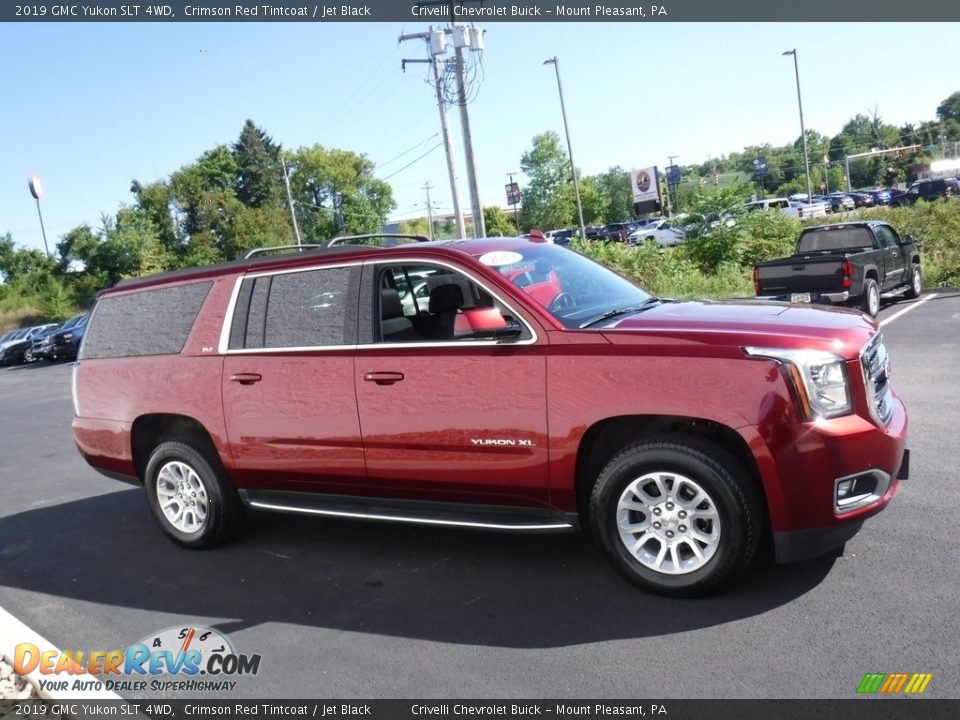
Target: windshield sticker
<point x="499" y="258"/>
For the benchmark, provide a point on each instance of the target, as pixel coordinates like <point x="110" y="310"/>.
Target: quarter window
<point x="149" y="322"/>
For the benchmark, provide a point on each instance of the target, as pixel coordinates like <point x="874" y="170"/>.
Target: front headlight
<point x="819" y="377"/>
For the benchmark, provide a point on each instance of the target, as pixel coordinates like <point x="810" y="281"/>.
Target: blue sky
<point x="90" y="107"/>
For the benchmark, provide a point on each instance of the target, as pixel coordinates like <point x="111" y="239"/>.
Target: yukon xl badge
<point x="502" y="441"/>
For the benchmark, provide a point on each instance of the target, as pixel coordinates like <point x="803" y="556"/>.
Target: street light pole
<point x="566" y="128"/>
<point x="36" y="189"/>
<point x="803" y="132"/>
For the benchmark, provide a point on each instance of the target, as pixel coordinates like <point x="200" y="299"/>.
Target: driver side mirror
<point x="486" y="323"/>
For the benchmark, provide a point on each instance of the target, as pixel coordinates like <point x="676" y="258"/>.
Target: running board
<point x="504" y="518"/>
<point x="895" y="292"/>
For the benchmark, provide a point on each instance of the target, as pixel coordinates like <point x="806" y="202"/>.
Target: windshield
<point x="570" y="286"/>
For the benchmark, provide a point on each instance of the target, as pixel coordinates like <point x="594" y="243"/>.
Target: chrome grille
<point x="875" y="363"/>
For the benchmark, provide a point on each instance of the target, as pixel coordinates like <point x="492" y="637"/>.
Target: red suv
<point x="495" y="384"/>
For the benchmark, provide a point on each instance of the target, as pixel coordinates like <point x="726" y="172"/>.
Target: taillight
<point x="756" y="281"/>
<point x="847" y="269"/>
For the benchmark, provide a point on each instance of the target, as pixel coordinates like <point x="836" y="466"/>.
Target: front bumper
<point x="803" y="465"/>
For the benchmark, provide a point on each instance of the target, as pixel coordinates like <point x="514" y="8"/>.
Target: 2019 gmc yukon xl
<point x="527" y="389"/>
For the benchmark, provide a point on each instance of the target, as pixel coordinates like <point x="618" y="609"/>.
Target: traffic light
<point x="700" y="183"/>
<point x="716" y="179"/>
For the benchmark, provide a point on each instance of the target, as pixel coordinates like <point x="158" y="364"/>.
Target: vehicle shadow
<point x="424" y="583"/>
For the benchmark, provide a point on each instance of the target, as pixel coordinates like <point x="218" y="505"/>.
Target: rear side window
<point x="149" y="322"/>
<point x="847" y="238"/>
<point x="312" y="308"/>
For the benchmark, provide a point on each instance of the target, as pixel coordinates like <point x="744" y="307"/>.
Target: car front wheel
<point x="191" y="497"/>
<point x="676" y="516"/>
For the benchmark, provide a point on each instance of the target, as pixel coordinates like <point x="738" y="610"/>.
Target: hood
<point x="742" y="323"/>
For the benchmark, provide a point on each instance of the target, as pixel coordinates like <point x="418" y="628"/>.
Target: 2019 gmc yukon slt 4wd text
<point x="529" y="389"/>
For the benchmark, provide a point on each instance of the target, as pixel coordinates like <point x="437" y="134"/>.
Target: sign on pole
<point x="513" y="193"/>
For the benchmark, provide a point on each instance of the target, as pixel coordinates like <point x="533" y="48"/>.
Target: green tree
<point x="548" y="199"/>
<point x="259" y="178"/>
<point x="613" y="187"/>
<point x="949" y="109"/>
<point x="336" y="192"/>
<point x="497" y="222"/>
<point x="18" y="263"/>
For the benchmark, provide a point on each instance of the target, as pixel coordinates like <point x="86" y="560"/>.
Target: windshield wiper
<point x="629" y="310"/>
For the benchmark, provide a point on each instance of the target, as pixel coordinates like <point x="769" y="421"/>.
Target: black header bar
<point x="646" y="709"/>
<point x="485" y="11"/>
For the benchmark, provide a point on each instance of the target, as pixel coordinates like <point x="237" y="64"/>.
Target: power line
<point x="408" y="150"/>
<point x="415" y="160"/>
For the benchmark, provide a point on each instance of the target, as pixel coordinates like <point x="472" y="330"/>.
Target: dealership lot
<point x="344" y="609"/>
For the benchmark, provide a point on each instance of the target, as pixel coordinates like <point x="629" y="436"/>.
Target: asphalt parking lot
<point x="344" y="609"/>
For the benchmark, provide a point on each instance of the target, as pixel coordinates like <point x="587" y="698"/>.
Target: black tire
<point x="224" y="509"/>
<point x="916" y="282"/>
<point x="870" y="298"/>
<point x="732" y="493"/>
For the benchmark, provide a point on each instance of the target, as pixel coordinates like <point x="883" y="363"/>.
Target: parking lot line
<point x="13" y="633"/>
<point x="907" y="309"/>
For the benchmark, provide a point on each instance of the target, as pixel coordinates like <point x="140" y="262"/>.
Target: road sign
<point x="513" y="193"/>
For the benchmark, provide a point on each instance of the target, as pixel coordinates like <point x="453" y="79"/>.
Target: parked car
<point x="42" y="347"/>
<point x="16" y="349"/>
<point x="836" y="202"/>
<point x="849" y="263"/>
<point x="680" y="433"/>
<point x="66" y="342"/>
<point x="559" y="237"/>
<point x="879" y="195"/>
<point x="663" y="232"/>
<point x="846" y="201"/>
<point x="861" y="199"/>
<point x="928" y="190"/>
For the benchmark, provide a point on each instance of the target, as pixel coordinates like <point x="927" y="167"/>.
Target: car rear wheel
<point x="870" y="300"/>
<point x="191" y="496"/>
<point x="916" y="282"/>
<point x="676" y="516"/>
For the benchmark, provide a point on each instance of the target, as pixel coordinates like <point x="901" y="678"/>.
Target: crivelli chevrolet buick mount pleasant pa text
<point x="494" y="384"/>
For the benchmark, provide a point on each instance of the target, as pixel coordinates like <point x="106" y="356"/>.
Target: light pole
<point x="36" y="189"/>
<point x="566" y="129"/>
<point x="803" y="132"/>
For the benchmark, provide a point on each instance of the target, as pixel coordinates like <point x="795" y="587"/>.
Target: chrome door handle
<point x="246" y="378"/>
<point x="383" y="378"/>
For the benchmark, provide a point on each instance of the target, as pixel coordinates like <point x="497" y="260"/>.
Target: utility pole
<point x="428" y="187"/>
<point x="445" y="129"/>
<point x="479" y="230"/>
<point x="293" y="215"/>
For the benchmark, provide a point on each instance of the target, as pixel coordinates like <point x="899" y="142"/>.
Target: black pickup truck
<point x="849" y="263"/>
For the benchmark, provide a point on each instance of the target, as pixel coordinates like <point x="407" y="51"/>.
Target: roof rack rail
<point x="389" y="238"/>
<point x="271" y="248"/>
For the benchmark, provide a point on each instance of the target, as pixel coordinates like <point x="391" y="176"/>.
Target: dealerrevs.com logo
<point x="895" y="683"/>
<point x="193" y="658"/>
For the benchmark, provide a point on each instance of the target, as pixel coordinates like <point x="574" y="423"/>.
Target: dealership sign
<point x="645" y="185"/>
